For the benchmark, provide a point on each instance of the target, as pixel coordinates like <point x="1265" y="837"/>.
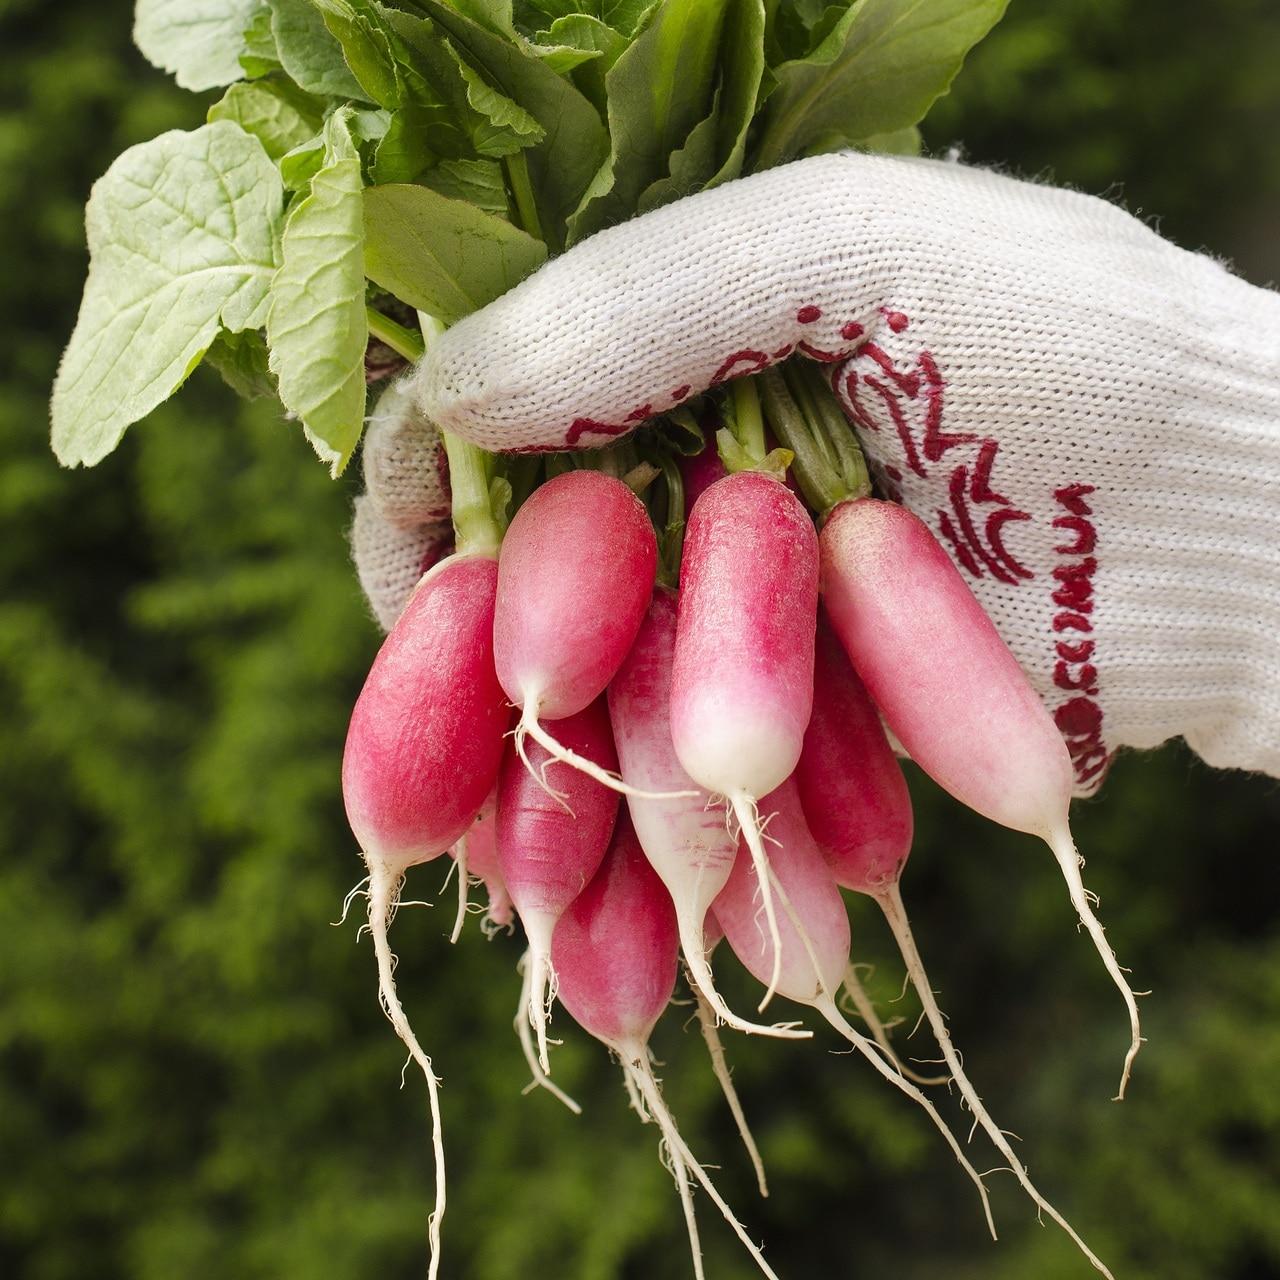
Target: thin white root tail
<point x="1064" y="850"/>
<point x="703" y="983"/>
<point x="464" y="887"/>
<point x="537" y="998"/>
<point x="867" y="1012"/>
<point x="523" y="1030"/>
<point x="710" y="1034"/>
<point x="744" y="809"/>
<point x="636" y="1064"/>
<point x="895" y="913"/>
<point x="530" y="726"/>
<point x="384" y="889"/>
<point x="824" y="1003"/>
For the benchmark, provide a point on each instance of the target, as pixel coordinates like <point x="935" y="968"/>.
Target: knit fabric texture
<point x="1087" y="416"/>
<point x="391" y="561"/>
<point x="406" y="474"/>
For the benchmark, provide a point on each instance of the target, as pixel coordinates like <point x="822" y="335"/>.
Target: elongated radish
<point x="742" y="676"/>
<point x="422" y="753"/>
<point x="554" y="825"/>
<point x="951" y="691"/>
<point x="815" y="940"/>
<point x="686" y="839"/>
<point x="616" y="951"/>
<point x="482" y="863"/>
<point x="574" y="580"/>
<point x="858" y="808"/>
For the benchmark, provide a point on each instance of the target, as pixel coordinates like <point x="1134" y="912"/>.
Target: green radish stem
<point x="711" y="1036"/>
<point x="384" y="892"/>
<point x="540" y="1078"/>
<point x="895" y="913"/>
<point x="636" y="1066"/>
<point x="854" y="989"/>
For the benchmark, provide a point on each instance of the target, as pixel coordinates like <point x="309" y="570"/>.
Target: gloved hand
<point x="1087" y="416"/>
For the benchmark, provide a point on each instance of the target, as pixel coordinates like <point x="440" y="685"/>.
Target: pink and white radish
<point x="686" y="839"/>
<point x="742" y="676"/>
<point x="858" y="809"/>
<point x="554" y="825"/>
<point x="575" y="576"/>
<point x="951" y="691"/>
<point x="422" y="753"/>
<point x="815" y="939"/>
<point x="480" y="855"/>
<point x="616" y="950"/>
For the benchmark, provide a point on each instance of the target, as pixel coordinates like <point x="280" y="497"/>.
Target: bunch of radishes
<point x="738" y="709"/>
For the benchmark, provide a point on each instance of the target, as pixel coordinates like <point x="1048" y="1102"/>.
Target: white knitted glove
<point x="1087" y="416"/>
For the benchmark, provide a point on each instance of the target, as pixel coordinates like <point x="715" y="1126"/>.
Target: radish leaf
<point x="279" y="115"/>
<point x="442" y="256"/>
<point x="183" y="237"/>
<point x="310" y="56"/>
<point x="316" y="327"/>
<point x="199" y="41"/>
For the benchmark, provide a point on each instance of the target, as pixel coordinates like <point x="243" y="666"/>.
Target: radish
<point x="481" y="843"/>
<point x="686" y="840"/>
<point x="576" y="572"/>
<point x="422" y="753"/>
<point x="858" y="808"/>
<point x="616" y="951"/>
<point x="951" y="691"/>
<point x="815" y="940"/>
<point x="551" y="839"/>
<point x="742" y="676"/>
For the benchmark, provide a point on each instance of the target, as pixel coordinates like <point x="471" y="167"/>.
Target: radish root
<point x="856" y="992"/>
<point x="464" y="888"/>
<point x="531" y="727"/>
<point x="636" y="1065"/>
<point x="384" y="892"/>
<point x="1070" y="862"/>
<point x="890" y="901"/>
<point x="521" y="1023"/>
<point x="748" y="816"/>
<point x="710" y="1034"/>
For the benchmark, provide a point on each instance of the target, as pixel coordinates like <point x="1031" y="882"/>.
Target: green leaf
<point x="901" y="142"/>
<point x="743" y="61"/>
<point x="442" y="256"/>
<point x="199" y="41"/>
<point x="880" y="69"/>
<point x="479" y="182"/>
<point x="562" y="164"/>
<point x="510" y="127"/>
<point x="275" y="112"/>
<point x="316" y="327"/>
<point x="260" y="56"/>
<point x="595" y="40"/>
<point x="309" y="54"/>
<point x="241" y="360"/>
<point x="183" y="237"/>
<point x="657" y="91"/>
<point x="691" y="167"/>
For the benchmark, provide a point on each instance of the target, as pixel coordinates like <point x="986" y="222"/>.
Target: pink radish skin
<point x="554" y="826"/>
<point x="742" y="677"/>
<point x="616" y="950"/>
<point x="815" y="940"/>
<point x="686" y="840"/>
<point x="700" y="471"/>
<point x="858" y="808"/>
<point x="951" y="691"/>
<point x="482" y="862"/>
<point x="422" y="753"/>
<point x="574" y="580"/>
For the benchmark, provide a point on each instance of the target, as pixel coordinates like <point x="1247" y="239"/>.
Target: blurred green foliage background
<point x="195" y="1078"/>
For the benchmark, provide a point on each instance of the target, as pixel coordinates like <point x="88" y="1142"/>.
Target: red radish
<point x="422" y="753"/>
<point x="858" y="808"/>
<point x="700" y="471"/>
<point x="686" y="839"/>
<point x="552" y="834"/>
<point x="574" y="579"/>
<point x="742" y="679"/>
<point x="951" y="691"/>
<point x="616" y="950"/>
<point x="815" y="940"/>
